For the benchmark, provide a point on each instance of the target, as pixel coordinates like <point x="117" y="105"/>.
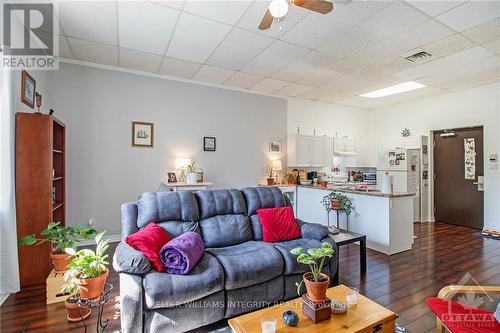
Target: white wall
<point x="326" y="119"/>
<point x="103" y="169"/>
<point x="470" y="107"/>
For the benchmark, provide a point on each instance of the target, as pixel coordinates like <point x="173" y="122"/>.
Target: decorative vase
<point x="191" y="178"/>
<point x="335" y="203"/>
<point x="73" y="313"/>
<point x="93" y="287"/>
<point x="270" y="181"/>
<point x="290" y="318"/>
<point x="60" y="261"/>
<point x="316" y="291"/>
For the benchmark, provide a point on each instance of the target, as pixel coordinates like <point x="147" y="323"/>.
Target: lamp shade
<point x="277" y="166"/>
<point x="181" y="162"/>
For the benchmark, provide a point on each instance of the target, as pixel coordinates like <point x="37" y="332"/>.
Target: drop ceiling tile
<point x="312" y="62"/>
<point x="178" y="67"/>
<point x="293" y="90"/>
<point x="94" y="52"/>
<point x="243" y="80"/>
<point x="333" y="97"/>
<point x="176" y="4"/>
<point x="195" y="38"/>
<point x="146" y="26"/>
<point x="396" y="64"/>
<point x="276" y="56"/>
<point x="139" y="60"/>
<point x="223" y="11"/>
<point x="347" y="14"/>
<point x="238" y="48"/>
<point x="493" y="46"/>
<point x="315" y="94"/>
<point x="484" y="32"/>
<point x="212" y="74"/>
<point x="448" y="46"/>
<point x="253" y="16"/>
<point x="433" y="8"/>
<point x="320" y="77"/>
<point x="452" y="61"/>
<point x="470" y="14"/>
<point x="470" y="81"/>
<point x="269" y="85"/>
<point x="93" y="21"/>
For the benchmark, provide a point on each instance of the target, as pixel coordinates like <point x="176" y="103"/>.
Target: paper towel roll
<point x="387" y="182"/>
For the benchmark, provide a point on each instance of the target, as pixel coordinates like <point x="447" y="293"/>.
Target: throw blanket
<point x="182" y="253"/>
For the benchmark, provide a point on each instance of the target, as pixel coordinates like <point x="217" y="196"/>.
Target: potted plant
<point x="87" y="271"/>
<point x="71" y="304"/>
<point x="290" y="178"/>
<point x="191" y="172"/>
<point x="316" y="282"/>
<point x="61" y="238"/>
<point x="270" y="174"/>
<point x="336" y="200"/>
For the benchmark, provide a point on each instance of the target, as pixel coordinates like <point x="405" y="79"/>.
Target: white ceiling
<point x="332" y="58"/>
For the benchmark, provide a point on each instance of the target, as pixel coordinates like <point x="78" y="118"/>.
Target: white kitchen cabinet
<point x="367" y="154"/>
<point x="344" y="145"/>
<point x="306" y="151"/>
<point x="329" y="145"/>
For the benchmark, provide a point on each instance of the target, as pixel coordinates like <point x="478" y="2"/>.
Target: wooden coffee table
<point x="367" y="317"/>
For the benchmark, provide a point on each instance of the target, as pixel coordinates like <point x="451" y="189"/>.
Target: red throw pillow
<point x="149" y="241"/>
<point x="278" y="224"/>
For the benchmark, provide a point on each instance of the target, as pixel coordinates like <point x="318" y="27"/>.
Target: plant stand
<point x="338" y="211"/>
<point x="98" y="303"/>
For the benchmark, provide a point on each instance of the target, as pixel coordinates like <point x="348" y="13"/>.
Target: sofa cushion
<point x="290" y="260"/>
<point x="163" y="290"/>
<point x="149" y="240"/>
<point x="278" y="224"/>
<point x="248" y="263"/>
<point x="223" y="220"/>
<point x="220" y="202"/>
<point x="166" y="206"/>
<point x="263" y="197"/>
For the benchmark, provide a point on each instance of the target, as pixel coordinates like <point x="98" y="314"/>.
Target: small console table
<point x="181" y="186"/>
<point x="348" y="237"/>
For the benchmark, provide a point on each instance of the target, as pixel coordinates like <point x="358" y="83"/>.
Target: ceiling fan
<point x="279" y="8"/>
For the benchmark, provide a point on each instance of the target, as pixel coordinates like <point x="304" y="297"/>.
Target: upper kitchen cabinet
<point x="306" y="151"/>
<point x="329" y="146"/>
<point x="367" y="154"/>
<point x="344" y="146"/>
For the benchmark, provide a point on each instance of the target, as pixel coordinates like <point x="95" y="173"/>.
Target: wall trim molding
<point x="111" y="238"/>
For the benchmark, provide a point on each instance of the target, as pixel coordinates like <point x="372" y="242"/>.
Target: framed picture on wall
<point x="274" y="146"/>
<point x="209" y="143"/>
<point x="142" y="134"/>
<point x="28" y="89"/>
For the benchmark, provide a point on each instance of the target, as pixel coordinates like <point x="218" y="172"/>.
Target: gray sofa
<point x="238" y="272"/>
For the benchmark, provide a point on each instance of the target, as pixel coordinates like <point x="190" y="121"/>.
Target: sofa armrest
<point x="128" y="260"/>
<point x="312" y="230"/>
<point x="131" y="306"/>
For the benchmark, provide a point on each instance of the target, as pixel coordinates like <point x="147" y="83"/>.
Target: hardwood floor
<point x="442" y="255"/>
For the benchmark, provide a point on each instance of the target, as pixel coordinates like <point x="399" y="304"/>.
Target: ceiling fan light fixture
<point x="278" y="8"/>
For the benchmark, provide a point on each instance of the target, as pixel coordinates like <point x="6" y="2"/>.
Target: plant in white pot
<point x="192" y="172"/>
<point x="87" y="272"/>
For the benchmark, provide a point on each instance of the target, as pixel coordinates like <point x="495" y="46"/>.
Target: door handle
<point x="479" y="183"/>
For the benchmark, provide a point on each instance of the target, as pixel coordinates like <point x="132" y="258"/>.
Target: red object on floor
<point x="460" y="319"/>
<point x="149" y="241"/>
<point x="278" y="224"/>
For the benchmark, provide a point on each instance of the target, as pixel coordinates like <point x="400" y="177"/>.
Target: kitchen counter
<point x="370" y="192"/>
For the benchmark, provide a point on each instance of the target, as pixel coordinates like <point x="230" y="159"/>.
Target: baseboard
<point x="3" y="297"/>
<point x="111" y="238"/>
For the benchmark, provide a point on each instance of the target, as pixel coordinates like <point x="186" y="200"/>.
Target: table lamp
<point x="277" y="167"/>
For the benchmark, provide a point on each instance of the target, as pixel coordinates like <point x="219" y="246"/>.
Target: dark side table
<point x="348" y="237"/>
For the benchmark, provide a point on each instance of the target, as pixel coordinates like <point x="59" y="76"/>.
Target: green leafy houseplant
<point x="193" y="167"/>
<point x="316" y="282"/>
<point x="87" y="271"/>
<point x="345" y="203"/>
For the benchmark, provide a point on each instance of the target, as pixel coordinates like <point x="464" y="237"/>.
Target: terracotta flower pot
<point x="316" y="291"/>
<point x="60" y="261"/>
<point x="74" y="313"/>
<point x="94" y="287"/>
<point x="270" y="181"/>
<point x="334" y="203"/>
<point x="290" y="181"/>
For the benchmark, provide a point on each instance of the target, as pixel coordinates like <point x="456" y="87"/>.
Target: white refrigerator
<point x="404" y="166"/>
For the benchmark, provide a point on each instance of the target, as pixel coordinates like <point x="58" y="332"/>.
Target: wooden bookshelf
<point x="40" y="172"/>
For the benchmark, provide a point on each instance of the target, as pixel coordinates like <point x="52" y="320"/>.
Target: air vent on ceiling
<point x="418" y="56"/>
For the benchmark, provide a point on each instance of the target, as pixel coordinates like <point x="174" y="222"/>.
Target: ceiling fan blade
<point x="319" y="6"/>
<point x="267" y="20"/>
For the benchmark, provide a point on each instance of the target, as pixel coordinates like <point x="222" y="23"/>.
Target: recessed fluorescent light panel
<point x="398" y="88"/>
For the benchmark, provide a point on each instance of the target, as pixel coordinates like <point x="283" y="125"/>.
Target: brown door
<point x="457" y="198"/>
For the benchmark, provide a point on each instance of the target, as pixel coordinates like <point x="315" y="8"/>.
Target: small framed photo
<point x="274" y="146"/>
<point x="142" y="134"/>
<point x="199" y="179"/>
<point x="209" y="143"/>
<point x="28" y="89"/>
<point x="172" y="178"/>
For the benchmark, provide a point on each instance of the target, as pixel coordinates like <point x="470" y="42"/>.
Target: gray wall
<point x="103" y="170"/>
